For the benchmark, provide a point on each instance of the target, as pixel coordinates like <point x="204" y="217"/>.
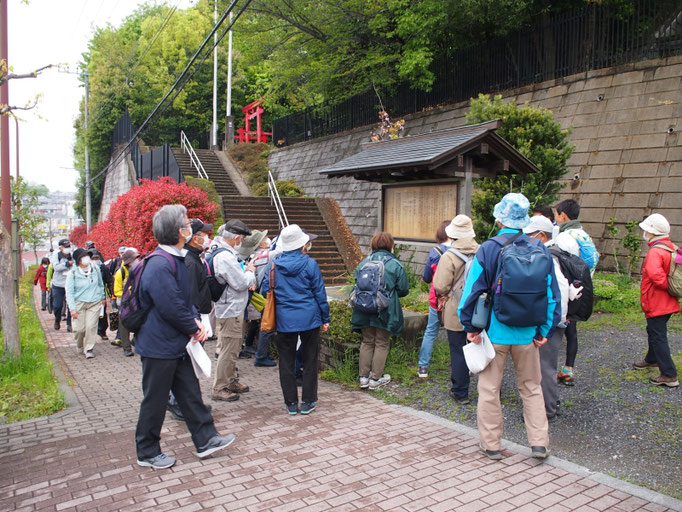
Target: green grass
<point x="28" y="388"/>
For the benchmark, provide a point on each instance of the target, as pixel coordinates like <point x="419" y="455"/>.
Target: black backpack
<point x="578" y="274"/>
<point x="216" y="287"/>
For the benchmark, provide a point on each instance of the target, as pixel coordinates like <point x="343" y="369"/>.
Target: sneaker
<point x="565" y="376"/>
<point x="224" y="396"/>
<point x="56" y="325"/>
<point x="539" y="452"/>
<point x="378" y="383"/>
<point x="643" y="365"/>
<point x="236" y="387"/>
<point x="104" y="337"/>
<point x="89" y="354"/>
<point x="460" y="400"/>
<point x="662" y="380"/>
<point x="492" y="454"/>
<point x="364" y="382"/>
<point x="268" y="361"/>
<point x="116" y="342"/>
<point x="292" y="408"/>
<point x="69" y="328"/>
<point x="243" y="354"/>
<point x="307" y="408"/>
<point x="249" y="349"/>
<point x="161" y="461"/>
<point x="128" y="352"/>
<point x="423" y="372"/>
<point x="214" y="444"/>
<point x="174" y="410"/>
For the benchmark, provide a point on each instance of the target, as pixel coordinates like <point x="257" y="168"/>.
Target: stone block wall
<point x="119" y="180"/>
<point x="627" y="161"/>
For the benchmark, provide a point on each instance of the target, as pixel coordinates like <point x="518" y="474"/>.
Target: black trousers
<point x="659" y="349"/>
<point x="571" y="343"/>
<point x="103" y="324"/>
<point x="459" y="371"/>
<point x="59" y="303"/>
<point x="159" y="376"/>
<point x="310" y="347"/>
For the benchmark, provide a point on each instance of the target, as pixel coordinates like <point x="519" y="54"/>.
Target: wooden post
<point x="468" y="184"/>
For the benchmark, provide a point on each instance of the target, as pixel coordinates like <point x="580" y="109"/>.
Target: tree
<point x="538" y="137"/>
<point x="25" y="210"/>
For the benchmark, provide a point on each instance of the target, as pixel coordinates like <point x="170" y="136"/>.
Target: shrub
<point x="129" y="221"/>
<point x="615" y="294"/>
<point x="79" y="235"/>
<point x="253" y="161"/>
<point x="285" y="188"/>
<point x="209" y="187"/>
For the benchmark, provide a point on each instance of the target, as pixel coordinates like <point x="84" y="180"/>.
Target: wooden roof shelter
<point x="465" y="152"/>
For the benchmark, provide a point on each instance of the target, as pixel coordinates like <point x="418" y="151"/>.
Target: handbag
<point x="479" y="355"/>
<point x="113" y="320"/>
<point x="268" y="322"/>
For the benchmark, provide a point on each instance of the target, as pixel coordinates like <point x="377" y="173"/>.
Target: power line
<point x="179" y="83"/>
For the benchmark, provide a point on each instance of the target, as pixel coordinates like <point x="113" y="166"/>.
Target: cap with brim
<point x="64" y="243"/>
<point x="79" y="253"/>
<point x="198" y="225"/>
<point x="656" y="224"/>
<point x="129" y="256"/>
<point x="293" y="237"/>
<point x="236" y="227"/>
<point x="251" y="242"/>
<point x="122" y="249"/>
<point x="539" y="223"/>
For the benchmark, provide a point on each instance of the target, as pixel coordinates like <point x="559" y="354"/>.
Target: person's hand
<point x="104" y="302"/>
<point x="325" y="327"/>
<point x="474" y="337"/>
<point x="574" y="293"/>
<point x="538" y="342"/>
<point x="251" y="266"/>
<point x="201" y="334"/>
<point x="74" y="314"/>
<point x="252" y="288"/>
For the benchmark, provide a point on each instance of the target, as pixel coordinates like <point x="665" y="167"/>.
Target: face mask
<point x="206" y="244"/>
<point x="309" y="247"/>
<point x="645" y="236"/>
<point x="188" y="238"/>
<point x="85" y="260"/>
<point x="66" y="250"/>
<point x="44" y="266"/>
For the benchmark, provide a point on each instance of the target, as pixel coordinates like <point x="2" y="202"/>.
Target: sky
<point x="53" y="32"/>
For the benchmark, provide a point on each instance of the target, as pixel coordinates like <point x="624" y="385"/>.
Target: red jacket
<point x="41" y="275"/>
<point x="655" y="299"/>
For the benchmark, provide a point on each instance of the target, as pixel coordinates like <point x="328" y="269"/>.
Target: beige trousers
<point x="373" y="352"/>
<point x="85" y="326"/>
<point x="229" y="332"/>
<point x="528" y="377"/>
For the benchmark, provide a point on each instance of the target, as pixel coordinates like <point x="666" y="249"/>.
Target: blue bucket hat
<point x="512" y="211"/>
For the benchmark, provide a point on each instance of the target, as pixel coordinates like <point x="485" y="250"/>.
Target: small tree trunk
<point x="8" y="307"/>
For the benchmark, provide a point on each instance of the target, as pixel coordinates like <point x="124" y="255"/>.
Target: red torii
<point x="252" y="110"/>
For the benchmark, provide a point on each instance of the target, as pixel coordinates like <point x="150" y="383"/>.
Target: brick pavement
<point x="352" y="453"/>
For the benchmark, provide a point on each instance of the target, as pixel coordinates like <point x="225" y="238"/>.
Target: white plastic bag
<point x="479" y="355"/>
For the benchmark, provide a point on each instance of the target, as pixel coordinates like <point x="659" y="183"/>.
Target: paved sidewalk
<point x="352" y="453"/>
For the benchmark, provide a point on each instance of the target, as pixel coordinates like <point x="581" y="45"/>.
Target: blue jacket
<point x="300" y="297"/>
<point x="482" y="275"/>
<point x="433" y="259"/>
<point x="171" y="320"/>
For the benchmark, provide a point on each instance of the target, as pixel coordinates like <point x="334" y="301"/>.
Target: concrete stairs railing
<point x="213" y="167"/>
<point x="259" y="213"/>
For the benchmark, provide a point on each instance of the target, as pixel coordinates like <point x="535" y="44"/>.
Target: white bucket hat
<point x="460" y="227"/>
<point x="656" y="224"/>
<point x="292" y="237"/>
<point x="539" y="223"/>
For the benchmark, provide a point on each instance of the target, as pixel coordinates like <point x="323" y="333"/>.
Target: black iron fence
<point x="156" y="163"/>
<point x="591" y="37"/>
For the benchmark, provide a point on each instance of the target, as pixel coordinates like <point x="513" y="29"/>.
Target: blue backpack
<point x="588" y="251"/>
<point x="369" y="294"/>
<point x="216" y="287"/>
<point x="520" y="287"/>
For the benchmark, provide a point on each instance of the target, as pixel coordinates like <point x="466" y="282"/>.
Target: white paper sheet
<point x="206" y="322"/>
<point x="200" y="360"/>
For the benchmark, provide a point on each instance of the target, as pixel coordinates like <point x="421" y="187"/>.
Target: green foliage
<point x="340" y="323"/>
<point x="252" y="159"/>
<point x="25" y="206"/>
<point x="615" y="294"/>
<point x="209" y="187"/>
<point x="538" y="137"/>
<point x="631" y="242"/>
<point x="28" y="388"/>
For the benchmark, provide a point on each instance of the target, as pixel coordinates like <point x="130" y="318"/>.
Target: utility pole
<point x="16" y="121"/>
<point x="88" y="210"/>
<point x="214" y="126"/>
<point x="229" y="120"/>
<point x="4" y="126"/>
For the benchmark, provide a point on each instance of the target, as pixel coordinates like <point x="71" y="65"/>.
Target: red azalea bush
<point x="79" y="235"/>
<point x="129" y="221"/>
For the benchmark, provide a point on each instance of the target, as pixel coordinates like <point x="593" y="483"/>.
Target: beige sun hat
<point x="460" y="227"/>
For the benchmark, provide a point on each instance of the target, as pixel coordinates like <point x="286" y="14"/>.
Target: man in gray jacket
<point x="229" y="309"/>
<point x="62" y="262"/>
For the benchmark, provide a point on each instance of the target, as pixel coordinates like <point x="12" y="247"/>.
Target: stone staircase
<point x="260" y="213"/>
<point x="213" y="167"/>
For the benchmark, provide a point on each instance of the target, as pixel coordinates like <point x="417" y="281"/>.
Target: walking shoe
<point x="292" y="408"/>
<point x="104" y="337"/>
<point x="378" y="383"/>
<point x="224" y="396"/>
<point x="243" y="354"/>
<point x="249" y="349"/>
<point x="128" y="352"/>
<point x="643" y="365"/>
<point x="174" y="410"/>
<point x="565" y="376"/>
<point x="236" y="387"/>
<point x="214" y="444"/>
<point x="423" y="372"/>
<point x="364" y="382"/>
<point x="268" y="361"/>
<point x="116" y="342"/>
<point x="492" y="454"/>
<point x="69" y="328"/>
<point x="56" y="325"/>
<point x="460" y="400"/>
<point x="161" y="461"/>
<point x="89" y="354"/>
<point x="307" y="408"/>
<point x="43" y="309"/>
<point x="662" y="380"/>
<point x="539" y="452"/>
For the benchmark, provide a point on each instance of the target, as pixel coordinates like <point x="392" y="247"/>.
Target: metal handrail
<point x="187" y="147"/>
<point x="274" y="197"/>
